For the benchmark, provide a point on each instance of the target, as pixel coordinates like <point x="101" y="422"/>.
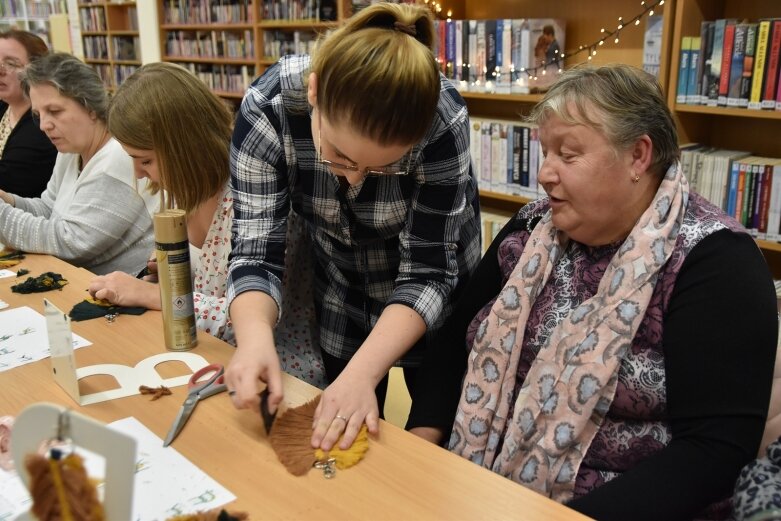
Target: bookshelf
<point x="110" y="39"/>
<point x="229" y="45"/>
<point x="31" y="15"/>
<point x="756" y="131"/>
<point x="583" y="24"/>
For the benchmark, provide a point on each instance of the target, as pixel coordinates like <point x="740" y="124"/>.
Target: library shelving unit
<point x="229" y="44"/>
<point x="30" y="15"/>
<point x="583" y="23"/>
<point x="110" y="39"/>
<point x="756" y="131"/>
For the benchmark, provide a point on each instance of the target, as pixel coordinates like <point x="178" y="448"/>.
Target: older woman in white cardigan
<point x="94" y="213"/>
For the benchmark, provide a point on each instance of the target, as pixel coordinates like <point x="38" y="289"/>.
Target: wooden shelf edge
<point x="727" y="111"/>
<point x="507" y="202"/>
<point x="769" y="245"/>
<point x="512" y="98"/>
<point x="296" y="24"/>
<point x="207" y="27"/>
<point x="207" y="59"/>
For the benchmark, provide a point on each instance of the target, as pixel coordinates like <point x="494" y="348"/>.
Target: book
<point x="736" y="67"/>
<point x="692" y="92"/>
<point x="652" y="44"/>
<point x="771" y="74"/>
<point x="547" y="40"/>
<point x="726" y="61"/>
<point x="760" y="57"/>
<point x="707" y="30"/>
<point x="748" y="64"/>
<point x="714" y="78"/>
<point x="683" y="69"/>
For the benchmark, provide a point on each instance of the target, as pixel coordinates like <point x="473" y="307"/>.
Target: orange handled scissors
<point x="197" y="391"/>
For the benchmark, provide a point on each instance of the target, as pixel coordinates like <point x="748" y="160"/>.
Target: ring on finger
<point x="340" y="417"/>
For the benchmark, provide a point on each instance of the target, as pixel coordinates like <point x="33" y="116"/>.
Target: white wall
<point x="148" y="30"/>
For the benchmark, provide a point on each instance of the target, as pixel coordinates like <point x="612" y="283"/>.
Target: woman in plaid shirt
<point x="368" y="142"/>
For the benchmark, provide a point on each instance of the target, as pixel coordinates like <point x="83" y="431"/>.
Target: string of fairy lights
<point x="648" y="8"/>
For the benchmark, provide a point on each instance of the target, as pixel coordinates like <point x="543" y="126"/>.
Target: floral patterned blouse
<point x="296" y="335"/>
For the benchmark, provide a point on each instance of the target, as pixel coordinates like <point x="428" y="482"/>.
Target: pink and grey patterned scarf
<point x="572" y="382"/>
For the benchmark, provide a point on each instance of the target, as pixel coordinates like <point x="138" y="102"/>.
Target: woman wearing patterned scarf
<point x="620" y="332"/>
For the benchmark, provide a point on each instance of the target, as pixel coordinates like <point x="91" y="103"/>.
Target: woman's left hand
<point x="344" y="407"/>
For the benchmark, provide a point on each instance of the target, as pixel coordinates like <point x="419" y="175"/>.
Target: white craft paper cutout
<point x="67" y="375"/>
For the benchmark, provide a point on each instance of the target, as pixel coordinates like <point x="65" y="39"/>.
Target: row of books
<point x="31" y="8"/>
<point x="127" y="48"/>
<point x="280" y="43"/>
<point x="320" y="10"/>
<point x="732" y="64"/>
<point x="207" y="11"/>
<point x="122" y="48"/>
<point x="503" y="56"/>
<point x="113" y="75"/>
<point x="745" y="186"/>
<point x="95" y="47"/>
<point x="491" y="224"/>
<point x="92" y="18"/>
<point x="211" y="44"/>
<point x="506" y="156"/>
<point x="226" y="78"/>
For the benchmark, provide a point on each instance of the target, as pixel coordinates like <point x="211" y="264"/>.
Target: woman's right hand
<point x="122" y="289"/>
<point x="254" y="315"/>
<point x="250" y="365"/>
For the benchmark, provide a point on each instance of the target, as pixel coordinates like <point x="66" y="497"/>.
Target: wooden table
<point x="401" y="477"/>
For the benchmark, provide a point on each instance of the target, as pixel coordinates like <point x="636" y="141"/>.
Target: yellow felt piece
<point x="348" y="457"/>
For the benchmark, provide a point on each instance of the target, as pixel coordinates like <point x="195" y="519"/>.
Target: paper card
<point x="166" y="483"/>
<point x="129" y="378"/>
<point x="7" y="273"/>
<point x="23" y="338"/>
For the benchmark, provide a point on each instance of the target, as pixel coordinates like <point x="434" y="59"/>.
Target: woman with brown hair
<point x="181" y="144"/>
<point x="26" y="154"/>
<point x="369" y="143"/>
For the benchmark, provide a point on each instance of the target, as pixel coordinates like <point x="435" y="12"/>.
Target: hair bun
<point x="404" y="28"/>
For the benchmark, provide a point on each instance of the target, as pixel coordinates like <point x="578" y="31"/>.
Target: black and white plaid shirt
<point x="395" y="239"/>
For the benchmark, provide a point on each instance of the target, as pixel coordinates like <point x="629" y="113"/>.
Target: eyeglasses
<point x="8" y="66"/>
<point x="397" y="168"/>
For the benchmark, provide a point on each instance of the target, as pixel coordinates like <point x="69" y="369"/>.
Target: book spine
<point x="485" y="154"/>
<point x="490" y="52"/>
<point x="475" y="145"/>
<point x="726" y="61"/>
<point x="472" y="76"/>
<point x="450" y="49"/>
<point x="771" y="75"/>
<point x="707" y="30"/>
<point x="760" y="56"/>
<point x="741" y="195"/>
<point x="692" y="93"/>
<point x="764" y="206"/>
<point x="733" y="188"/>
<point x="458" y="42"/>
<point x="736" y="68"/>
<point x="525" y="157"/>
<point x="715" y="62"/>
<point x="748" y="64"/>
<point x="683" y="69"/>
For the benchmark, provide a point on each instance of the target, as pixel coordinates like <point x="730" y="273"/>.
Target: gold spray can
<point x="176" y="286"/>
